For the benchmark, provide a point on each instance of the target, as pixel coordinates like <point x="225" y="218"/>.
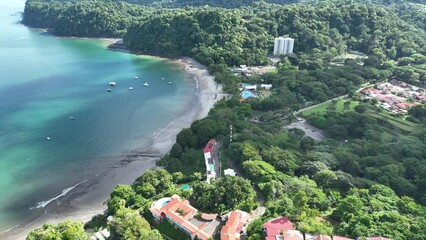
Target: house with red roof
<point x="209" y="152"/>
<point x="234" y="226"/>
<point x="179" y="212"/>
<point x="276" y="227"/>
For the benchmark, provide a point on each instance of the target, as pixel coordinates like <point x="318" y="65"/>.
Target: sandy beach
<point x="88" y="198"/>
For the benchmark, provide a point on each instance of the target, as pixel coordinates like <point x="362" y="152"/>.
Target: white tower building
<point x="283" y="45"/>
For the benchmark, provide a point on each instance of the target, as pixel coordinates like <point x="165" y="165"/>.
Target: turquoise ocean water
<point x="44" y="80"/>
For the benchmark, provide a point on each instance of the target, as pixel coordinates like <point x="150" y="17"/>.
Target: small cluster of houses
<point x="200" y="226"/>
<point x="282" y="229"/>
<point x="242" y="70"/>
<point x="396" y="96"/>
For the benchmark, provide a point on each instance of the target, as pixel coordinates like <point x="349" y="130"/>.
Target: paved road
<point x="311" y="131"/>
<point x="217" y="162"/>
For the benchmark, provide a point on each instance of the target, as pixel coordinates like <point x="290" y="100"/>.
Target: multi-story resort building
<point x="283" y="45"/>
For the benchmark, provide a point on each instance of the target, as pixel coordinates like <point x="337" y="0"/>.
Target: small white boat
<point x="113" y="84"/>
<point x="146" y="84"/>
<point x="136" y="77"/>
<point x="131" y="88"/>
<point x="162" y="78"/>
<point x="47" y="138"/>
<point x="72" y="118"/>
<point x="109" y="90"/>
<point x="170" y="83"/>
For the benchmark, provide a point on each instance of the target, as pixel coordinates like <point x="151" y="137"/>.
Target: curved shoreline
<point x="87" y="199"/>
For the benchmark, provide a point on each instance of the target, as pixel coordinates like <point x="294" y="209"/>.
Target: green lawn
<point x="397" y="122"/>
<point x="166" y="228"/>
<point x="322" y="108"/>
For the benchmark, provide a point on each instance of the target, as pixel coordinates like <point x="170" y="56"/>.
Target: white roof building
<point x="230" y="172"/>
<point x="266" y="86"/>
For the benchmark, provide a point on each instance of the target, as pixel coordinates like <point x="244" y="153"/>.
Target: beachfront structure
<point x="180" y="213"/>
<point x="209" y="153"/>
<point x="283" y="45"/>
<point x="235" y="224"/>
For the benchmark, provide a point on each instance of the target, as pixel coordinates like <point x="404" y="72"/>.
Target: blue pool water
<point x="248" y="94"/>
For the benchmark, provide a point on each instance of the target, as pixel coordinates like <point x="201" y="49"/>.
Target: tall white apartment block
<point x="283" y="45"/>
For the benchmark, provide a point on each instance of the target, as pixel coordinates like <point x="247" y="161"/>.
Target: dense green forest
<point x="236" y="36"/>
<point x="366" y="178"/>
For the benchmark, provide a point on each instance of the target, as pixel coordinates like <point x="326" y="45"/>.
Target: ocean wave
<point x="64" y="192"/>
<point x="10" y="229"/>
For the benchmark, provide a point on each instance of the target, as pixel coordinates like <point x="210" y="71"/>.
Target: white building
<point x="209" y="154"/>
<point x="230" y="172"/>
<point x="283" y="45"/>
<point x="266" y="86"/>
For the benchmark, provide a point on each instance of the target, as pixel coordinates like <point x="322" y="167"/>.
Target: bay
<point x="46" y="80"/>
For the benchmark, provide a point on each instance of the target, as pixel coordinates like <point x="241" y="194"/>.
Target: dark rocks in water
<point x="118" y="45"/>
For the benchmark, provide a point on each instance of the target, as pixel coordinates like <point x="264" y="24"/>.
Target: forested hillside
<point x="238" y="36"/>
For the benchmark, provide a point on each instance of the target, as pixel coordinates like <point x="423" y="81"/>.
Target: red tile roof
<point x="234" y="225"/>
<point x="275" y="226"/>
<point x="293" y="235"/>
<point x="210" y="145"/>
<point x="206" y="216"/>
<point x="171" y="211"/>
<point x="407" y="105"/>
<point x="341" y="238"/>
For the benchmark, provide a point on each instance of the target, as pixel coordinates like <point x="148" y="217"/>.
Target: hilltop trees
<point x="65" y="230"/>
<point x="240" y="36"/>
<point x="128" y="224"/>
<point x="223" y="195"/>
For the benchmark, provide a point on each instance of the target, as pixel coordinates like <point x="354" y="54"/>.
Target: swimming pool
<point x="248" y="94"/>
<point x="165" y="203"/>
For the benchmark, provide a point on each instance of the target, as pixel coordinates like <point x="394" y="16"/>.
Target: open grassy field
<point x="322" y="108"/>
<point x="397" y="122"/>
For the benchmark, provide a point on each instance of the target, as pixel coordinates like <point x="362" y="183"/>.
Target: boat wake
<point x="64" y="192"/>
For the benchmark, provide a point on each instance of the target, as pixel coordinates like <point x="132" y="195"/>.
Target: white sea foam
<point x="64" y="192"/>
<point x="10" y="229"/>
